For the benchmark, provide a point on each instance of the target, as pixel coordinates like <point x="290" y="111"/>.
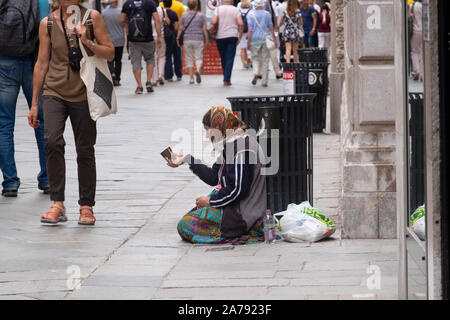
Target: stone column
<point x="337" y="63"/>
<point x="433" y="156"/>
<point x="368" y="121"/>
<point x="402" y="161"/>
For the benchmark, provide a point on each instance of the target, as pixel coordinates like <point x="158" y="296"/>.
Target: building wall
<point x="433" y="156"/>
<point x="368" y="121"/>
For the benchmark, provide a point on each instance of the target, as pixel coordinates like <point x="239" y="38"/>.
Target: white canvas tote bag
<point x="98" y="81"/>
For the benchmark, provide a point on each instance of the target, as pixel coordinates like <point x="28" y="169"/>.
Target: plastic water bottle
<point x="269" y="228"/>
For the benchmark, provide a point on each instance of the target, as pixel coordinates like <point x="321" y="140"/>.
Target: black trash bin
<point x="318" y="84"/>
<point x="300" y="76"/>
<point x="312" y="54"/>
<point x="292" y="115"/>
<point x="312" y="77"/>
<point x="316" y="60"/>
<point x="417" y="143"/>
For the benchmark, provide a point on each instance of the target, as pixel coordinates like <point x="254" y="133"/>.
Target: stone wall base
<point x="336" y="86"/>
<point x="369" y="215"/>
<point x="369" y="186"/>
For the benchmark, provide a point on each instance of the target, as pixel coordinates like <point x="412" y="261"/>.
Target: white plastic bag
<point x="417" y="222"/>
<point x="305" y="223"/>
<point x="99" y="85"/>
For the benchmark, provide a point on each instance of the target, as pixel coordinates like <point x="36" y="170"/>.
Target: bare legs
<point x="291" y="48"/>
<point x="244" y="57"/>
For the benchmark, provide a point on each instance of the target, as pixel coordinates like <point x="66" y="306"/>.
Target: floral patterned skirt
<point x="203" y="226"/>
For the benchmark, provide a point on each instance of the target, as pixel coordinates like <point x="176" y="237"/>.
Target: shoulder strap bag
<point x="215" y="27"/>
<point x="180" y="38"/>
<point x="97" y="78"/>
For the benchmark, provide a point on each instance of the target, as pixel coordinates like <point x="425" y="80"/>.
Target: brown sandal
<point x="86" y="216"/>
<point x="54" y="215"/>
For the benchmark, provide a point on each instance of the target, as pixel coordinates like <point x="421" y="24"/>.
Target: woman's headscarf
<point x="223" y="119"/>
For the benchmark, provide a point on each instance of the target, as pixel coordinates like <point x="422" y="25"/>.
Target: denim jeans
<point x="227" y="51"/>
<point x="173" y="50"/>
<point x="308" y="39"/>
<point x="14" y="74"/>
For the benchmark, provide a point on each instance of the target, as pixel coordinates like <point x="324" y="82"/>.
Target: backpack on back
<point x="244" y="19"/>
<point x="19" y="27"/>
<point x="138" y="24"/>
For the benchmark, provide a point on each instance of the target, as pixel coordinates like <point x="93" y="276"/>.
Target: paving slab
<point x="135" y="252"/>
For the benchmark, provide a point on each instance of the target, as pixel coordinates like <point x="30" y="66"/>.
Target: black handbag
<point x="180" y="38"/>
<point x="168" y="32"/>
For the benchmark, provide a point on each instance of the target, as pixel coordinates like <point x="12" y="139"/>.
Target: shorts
<point x="139" y="50"/>
<point x="193" y="50"/>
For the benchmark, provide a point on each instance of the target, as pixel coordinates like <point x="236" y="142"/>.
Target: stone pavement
<point x="135" y="252"/>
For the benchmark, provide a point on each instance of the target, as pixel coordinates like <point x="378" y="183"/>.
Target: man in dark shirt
<point x="172" y="49"/>
<point x="309" y="16"/>
<point x="138" y="15"/>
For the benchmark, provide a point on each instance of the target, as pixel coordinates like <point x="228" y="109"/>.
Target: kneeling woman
<point x="233" y="211"/>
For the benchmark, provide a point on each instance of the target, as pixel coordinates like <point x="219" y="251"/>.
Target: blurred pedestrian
<point x="176" y="67"/>
<point x="116" y="33"/>
<point x="44" y="8"/>
<point x="65" y="95"/>
<point x="318" y="10"/>
<point x="324" y="29"/>
<point x="171" y="23"/>
<point x="176" y="6"/>
<point x="244" y="8"/>
<point x="410" y="34"/>
<point x="281" y="7"/>
<point x="160" y="51"/>
<point x="230" y="28"/>
<point x="292" y="34"/>
<point x="315" y="5"/>
<point x="54" y="6"/>
<point x="195" y="37"/>
<point x="105" y="4"/>
<point x="415" y="11"/>
<point x="259" y="27"/>
<point x="309" y="16"/>
<point x="16" y="71"/>
<point x="270" y="7"/>
<point x="138" y="15"/>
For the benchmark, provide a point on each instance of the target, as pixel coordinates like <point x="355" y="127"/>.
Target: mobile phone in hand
<point x="167" y="153"/>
